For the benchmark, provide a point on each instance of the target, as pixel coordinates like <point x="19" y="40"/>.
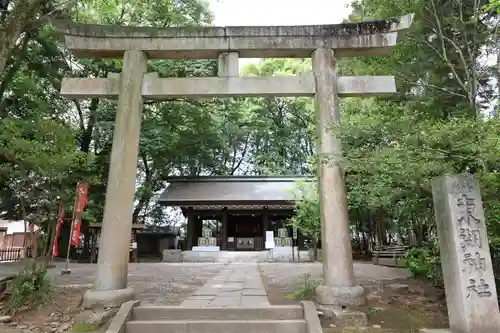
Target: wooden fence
<point x="14" y="254"/>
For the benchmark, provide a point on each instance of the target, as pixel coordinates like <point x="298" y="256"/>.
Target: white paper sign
<point x="269" y="245"/>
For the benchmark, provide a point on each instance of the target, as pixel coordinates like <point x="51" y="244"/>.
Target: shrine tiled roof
<point x="183" y="191"/>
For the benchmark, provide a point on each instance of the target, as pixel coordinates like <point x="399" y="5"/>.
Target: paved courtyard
<point x="208" y="283"/>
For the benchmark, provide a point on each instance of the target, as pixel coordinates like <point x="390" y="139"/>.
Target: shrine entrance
<point x="246" y="232"/>
<point x="232" y="213"/>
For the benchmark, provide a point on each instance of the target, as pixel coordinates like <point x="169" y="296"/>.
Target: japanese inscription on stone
<point x="482" y="289"/>
<point x="465" y="255"/>
<point x="474" y="264"/>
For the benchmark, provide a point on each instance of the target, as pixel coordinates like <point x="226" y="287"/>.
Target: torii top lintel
<point x="347" y="39"/>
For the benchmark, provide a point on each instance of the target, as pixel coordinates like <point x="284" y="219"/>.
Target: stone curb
<point x="311" y="317"/>
<point x="75" y="286"/>
<point x="124" y="314"/>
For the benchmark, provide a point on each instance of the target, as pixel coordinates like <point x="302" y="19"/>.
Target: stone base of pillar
<point x="107" y="298"/>
<point x="336" y="302"/>
<point x="340" y="296"/>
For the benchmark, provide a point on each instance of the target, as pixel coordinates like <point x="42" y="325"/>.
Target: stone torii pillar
<point x="227" y="44"/>
<point x="339" y="287"/>
<point x="110" y="288"/>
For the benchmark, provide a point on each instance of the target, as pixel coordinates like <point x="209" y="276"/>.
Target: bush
<point x="29" y="288"/>
<point x="424" y="263"/>
<point x="305" y="289"/>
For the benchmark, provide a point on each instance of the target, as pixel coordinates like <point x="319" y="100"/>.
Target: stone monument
<point x="135" y="45"/>
<point x="471" y="294"/>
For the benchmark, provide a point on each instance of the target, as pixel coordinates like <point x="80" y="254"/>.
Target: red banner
<point x="60" y="218"/>
<point x="80" y="202"/>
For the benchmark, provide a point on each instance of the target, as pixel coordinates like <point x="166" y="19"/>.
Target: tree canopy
<point x="443" y="119"/>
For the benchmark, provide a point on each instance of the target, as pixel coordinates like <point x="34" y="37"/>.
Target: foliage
<point x="490" y="193"/>
<point x="306" y="217"/>
<point x="29" y="288"/>
<point x="305" y="288"/>
<point x="48" y="144"/>
<point x="423" y="262"/>
<point x="492" y="5"/>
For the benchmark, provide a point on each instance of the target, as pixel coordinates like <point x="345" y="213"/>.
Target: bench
<point x="389" y="255"/>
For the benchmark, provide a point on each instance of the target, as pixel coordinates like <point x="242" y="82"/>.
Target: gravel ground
<point x="288" y="275"/>
<point x="154" y="283"/>
<point x="414" y="307"/>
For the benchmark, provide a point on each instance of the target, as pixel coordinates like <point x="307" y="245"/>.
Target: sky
<point x="278" y="12"/>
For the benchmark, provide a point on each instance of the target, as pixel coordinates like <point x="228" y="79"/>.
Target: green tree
<point x="307" y="214"/>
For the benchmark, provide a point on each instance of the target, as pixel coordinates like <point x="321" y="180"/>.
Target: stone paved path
<point x="236" y="285"/>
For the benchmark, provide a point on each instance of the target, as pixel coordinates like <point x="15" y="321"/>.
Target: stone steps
<point x="225" y="256"/>
<point x="234" y="301"/>
<point x="180" y="319"/>
<point x="364" y="329"/>
<point x="217" y="326"/>
<point x="143" y="313"/>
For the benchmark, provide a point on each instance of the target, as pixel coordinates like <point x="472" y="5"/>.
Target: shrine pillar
<point x="265" y="223"/>
<point x="223" y="230"/>
<point x="190" y="232"/>
<point x="110" y="286"/>
<point x="228" y="64"/>
<point x="339" y="286"/>
<point x="198" y="229"/>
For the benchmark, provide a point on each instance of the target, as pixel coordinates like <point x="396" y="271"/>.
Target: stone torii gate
<point x="323" y="43"/>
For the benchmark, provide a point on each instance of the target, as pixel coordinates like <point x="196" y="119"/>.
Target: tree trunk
<point x="315" y="249"/>
<point x="50" y="244"/>
<point x="24" y="13"/>
<point x="49" y="249"/>
<point x="370" y="233"/>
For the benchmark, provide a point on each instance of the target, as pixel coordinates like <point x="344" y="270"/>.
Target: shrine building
<point x="233" y="213"/>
